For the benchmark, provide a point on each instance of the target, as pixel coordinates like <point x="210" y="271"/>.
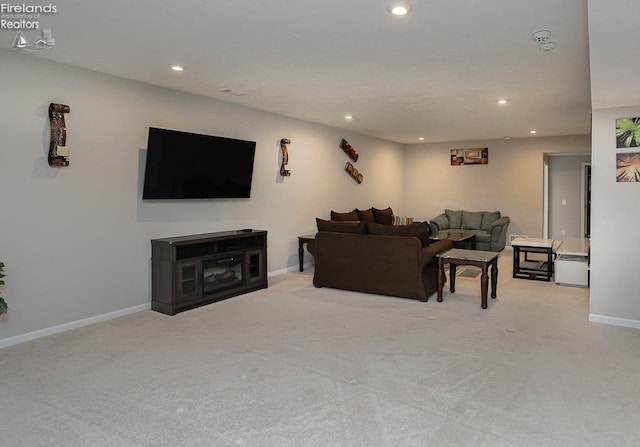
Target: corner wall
<point x="615" y="223"/>
<point x="75" y="240"/>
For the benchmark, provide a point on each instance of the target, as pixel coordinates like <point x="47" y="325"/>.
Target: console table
<point x="191" y="271"/>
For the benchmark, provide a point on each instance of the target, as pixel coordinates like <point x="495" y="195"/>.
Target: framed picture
<point x="627" y="132"/>
<point x="628" y="167"/>
<point x="476" y="156"/>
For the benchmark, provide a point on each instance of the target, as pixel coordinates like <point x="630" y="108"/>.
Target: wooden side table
<point x="482" y="259"/>
<point x="301" y="241"/>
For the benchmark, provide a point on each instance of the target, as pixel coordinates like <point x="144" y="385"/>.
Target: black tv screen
<point x="183" y="165"/>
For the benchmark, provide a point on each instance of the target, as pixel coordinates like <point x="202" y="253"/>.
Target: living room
<point x="82" y="208"/>
<point x="76" y="240"/>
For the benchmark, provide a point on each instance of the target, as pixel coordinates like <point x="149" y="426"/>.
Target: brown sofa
<point x="350" y="257"/>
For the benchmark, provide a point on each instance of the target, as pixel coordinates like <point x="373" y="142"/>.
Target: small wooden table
<point x="482" y="259"/>
<point x="301" y="241"/>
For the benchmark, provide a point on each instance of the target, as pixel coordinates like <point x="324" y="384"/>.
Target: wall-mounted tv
<point x="183" y="165"/>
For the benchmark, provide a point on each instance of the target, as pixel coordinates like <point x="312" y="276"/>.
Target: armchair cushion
<point x="366" y="215"/>
<point x="384" y="217"/>
<point x="351" y="216"/>
<point x="418" y="230"/>
<point x="471" y="220"/>
<point x="454" y="217"/>
<point x="488" y="218"/>
<point x="441" y="222"/>
<point x="341" y="227"/>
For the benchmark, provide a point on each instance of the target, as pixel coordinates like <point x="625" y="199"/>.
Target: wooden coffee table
<point x="482" y="259"/>
<point x="460" y="238"/>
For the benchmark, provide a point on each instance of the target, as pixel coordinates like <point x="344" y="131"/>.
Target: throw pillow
<point x="471" y="220"/>
<point x="455" y="218"/>
<point x="441" y="222"/>
<point x="341" y="227"/>
<point x="351" y="216"/>
<point x="384" y="217"/>
<point x="397" y="220"/>
<point x="366" y="215"/>
<point x="418" y="230"/>
<point x="488" y="218"/>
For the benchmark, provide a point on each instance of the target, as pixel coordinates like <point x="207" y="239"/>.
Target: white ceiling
<point x="435" y="73"/>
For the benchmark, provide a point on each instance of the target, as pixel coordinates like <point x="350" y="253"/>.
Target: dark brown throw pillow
<point x="419" y="230"/>
<point x="366" y="215"/>
<point x="341" y="227"/>
<point x="384" y="217"/>
<point x="351" y="216"/>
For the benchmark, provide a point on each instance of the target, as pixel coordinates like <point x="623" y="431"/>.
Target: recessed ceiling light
<point x="503" y="101"/>
<point x="177" y="68"/>
<point x="533" y="131"/>
<point x="348" y="117"/>
<point x="421" y="138"/>
<point x="399" y="9"/>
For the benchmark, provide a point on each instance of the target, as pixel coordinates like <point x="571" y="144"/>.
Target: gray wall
<point x="615" y="234"/>
<point x="75" y="240"/>
<point x="565" y="184"/>
<point x="512" y="182"/>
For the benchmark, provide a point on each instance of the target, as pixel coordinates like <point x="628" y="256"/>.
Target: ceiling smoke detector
<point x="541" y="36"/>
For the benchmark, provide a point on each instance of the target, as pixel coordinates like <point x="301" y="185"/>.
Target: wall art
<point x="628" y="167"/>
<point x="285" y="157"/>
<point x="349" y="150"/>
<point x="353" y="172"/>
<point x="58" y="154"/>
<point x="627" y="132"/>
<point x="476" y="156"/>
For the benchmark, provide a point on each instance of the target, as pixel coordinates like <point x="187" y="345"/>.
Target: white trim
<point x="29" y="336"/>
<point x="23" y="338"/>
<point x="293" y="268"/>
<point x="615" y="321"/>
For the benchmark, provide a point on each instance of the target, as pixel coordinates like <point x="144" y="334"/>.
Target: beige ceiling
<point x="435" y="73"/>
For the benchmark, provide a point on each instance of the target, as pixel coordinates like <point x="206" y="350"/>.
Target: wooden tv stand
<point x="191" y="271"/>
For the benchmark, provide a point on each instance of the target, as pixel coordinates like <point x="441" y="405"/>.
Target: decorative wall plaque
<point x="58" y="153"/>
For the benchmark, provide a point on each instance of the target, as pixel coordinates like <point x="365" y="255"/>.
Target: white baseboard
<point x="293" y="268"/>
<point x="23" y="338"/>
<point x="615" y="321"/>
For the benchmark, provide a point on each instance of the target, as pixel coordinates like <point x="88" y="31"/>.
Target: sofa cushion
<point x="488" y="218"/>
<point x="366" y="215"/>
<point x="471" y="220"/>
<point x="455" y="218"/>
<point x="418" y="230"/>
<point x="441" y="222"/>
<point x="358" y="227"/>
<point x="351" y="216"/>
<point x="397" y="220"/>
<point x="384" y="217"/>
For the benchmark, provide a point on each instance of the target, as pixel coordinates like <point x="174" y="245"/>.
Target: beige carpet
<point x="297" y="366"/>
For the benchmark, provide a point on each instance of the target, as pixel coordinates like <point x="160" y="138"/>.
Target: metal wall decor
<point x="349" y="150"/>
<point x="354" y="172"/>
<point x="285" y="157"/>
<point x="58" y="153"/>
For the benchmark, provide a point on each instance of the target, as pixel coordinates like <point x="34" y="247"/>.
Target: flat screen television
<point x="183" y="165"/>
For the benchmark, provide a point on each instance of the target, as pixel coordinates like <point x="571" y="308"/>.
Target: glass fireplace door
<point x="222" y="273"/>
